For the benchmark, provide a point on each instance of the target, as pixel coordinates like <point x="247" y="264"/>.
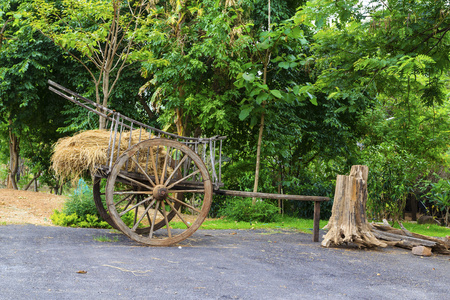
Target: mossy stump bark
<point x="348" y="222"/>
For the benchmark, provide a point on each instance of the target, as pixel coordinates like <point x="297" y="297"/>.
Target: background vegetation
<point x="303" y="90"/>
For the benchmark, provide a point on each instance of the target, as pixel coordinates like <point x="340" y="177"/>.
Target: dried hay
<point x="88" y="150"/>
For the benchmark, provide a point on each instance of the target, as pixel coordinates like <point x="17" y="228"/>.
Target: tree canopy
<point x="306" y="89"/>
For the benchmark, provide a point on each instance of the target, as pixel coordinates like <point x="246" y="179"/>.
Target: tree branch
<point x="439" y="41"/>
<point x="3" y="30"/>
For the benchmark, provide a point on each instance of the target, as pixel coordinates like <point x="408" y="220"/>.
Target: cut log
<point x="348" y="222"/>
<point x="399" y="238"/>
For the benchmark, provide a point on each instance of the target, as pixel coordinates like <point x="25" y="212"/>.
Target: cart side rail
<point x="109" y="113"/>
<point x="209" y="149"/>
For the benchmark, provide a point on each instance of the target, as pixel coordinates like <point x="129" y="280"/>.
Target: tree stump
<point x="348" y="222"/>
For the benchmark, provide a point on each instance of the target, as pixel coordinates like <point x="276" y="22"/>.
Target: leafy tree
<point x="391" y="48"/>
<point x="191" y="84"/>
<point x="259" y="94"/>
<point x="386" y="61"/>
<point x="216" y="59"/>
<point x="100" y="35"/>
<point x="29" y="117"/>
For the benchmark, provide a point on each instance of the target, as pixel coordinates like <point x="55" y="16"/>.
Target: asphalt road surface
<point x="39" y="262"/>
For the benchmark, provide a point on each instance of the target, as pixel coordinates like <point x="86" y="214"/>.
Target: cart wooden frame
<point x="157" y="187"/>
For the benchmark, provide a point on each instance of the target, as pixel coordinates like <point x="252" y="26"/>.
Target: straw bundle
<point x="88" y="150"/>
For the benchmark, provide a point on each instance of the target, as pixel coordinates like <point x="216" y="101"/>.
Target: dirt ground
<point x="25" y="207"/>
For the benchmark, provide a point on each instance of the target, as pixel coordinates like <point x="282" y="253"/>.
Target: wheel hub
<point x="160" y="192"/>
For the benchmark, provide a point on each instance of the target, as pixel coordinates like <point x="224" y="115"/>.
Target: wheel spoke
<point x="136" y="211"/>
<point x="182" y="179"/>
<point x="132" y="193"/>
<point x="143" y="171"/>
<point x="175" y="170"/>
<point x="129" y="199"/>
<point x="178" y="214"/>
<point x="134" y="206"/>
<point x="185" y="204"/>
<point x="154" y="165"/>
<point x="164" y="169"/>
<point x="150" y="235"/>
<point x="148" y="217"/>
<point x="124" y="198"/>
<point x="186" y="191"/>
<point x="163" y="210"/>
<point x="143" y="215"/>
<point x="135" y="181"/>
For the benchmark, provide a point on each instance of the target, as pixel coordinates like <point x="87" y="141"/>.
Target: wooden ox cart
<point x="160" y="189"/>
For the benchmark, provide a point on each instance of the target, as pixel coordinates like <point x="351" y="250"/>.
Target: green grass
<point x="426" y="229"/>
<point x="286" y="223"/>
<point x="305" y="226"/>
<point x="106" y="239"/>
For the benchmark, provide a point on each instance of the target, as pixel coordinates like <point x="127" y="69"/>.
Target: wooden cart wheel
<point x="99" y="199"/>
<point x="142" y="191"/>
<point x="100" y="204"/>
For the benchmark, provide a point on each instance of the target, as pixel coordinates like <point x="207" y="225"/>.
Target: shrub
<point x="61" y="219"/>
<point x="80" y="205"/>
<point x="440" y="196"/>
<point x="311" y="185"/>
<point x="80" y="201"/>
<point x="79" y="210"/>
<point x="73" y="220"/>
<point x="392" y="175"/>
<point x="242" y="209"/>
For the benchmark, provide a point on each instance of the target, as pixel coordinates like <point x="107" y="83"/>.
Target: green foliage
<point x="27" y="110"/>
<point x="312" y="185"/>
<point x="99" y="35"/>
<point x="242" y="209"/>
<point x="377" y="60"/>
<point x="393" y="174"/>
<point x="79" y="210"/>
<point x="80" y="203"/>
<point x="3" y="174"/>
<point x="338" y="73"/>
<point x="73" y="220"/>
<point x="439" y="194"/>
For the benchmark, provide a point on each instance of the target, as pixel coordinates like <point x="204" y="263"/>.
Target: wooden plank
<point x="270" y="196"/>
<point x="316" y="199"/>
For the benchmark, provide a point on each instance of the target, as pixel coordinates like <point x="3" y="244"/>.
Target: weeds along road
<point x="42" y="262"/>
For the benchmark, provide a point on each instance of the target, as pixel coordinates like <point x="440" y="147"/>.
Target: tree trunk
<point x="34" y="180"/>
<point x="105" y="89"/>
<point x="348" y="223"/>
<point x="145" y="106"/>
<point x="261" y="125"/>
<point x="13" y="159"/>
<point x="258" y="156"/>
<point x="36" y="185"/>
